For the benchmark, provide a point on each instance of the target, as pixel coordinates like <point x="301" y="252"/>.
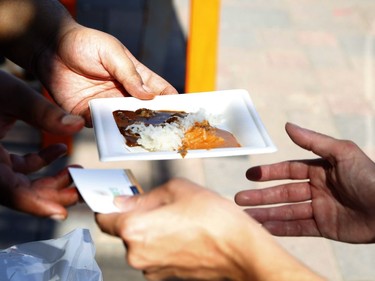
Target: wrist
<point x="261" y="258"/>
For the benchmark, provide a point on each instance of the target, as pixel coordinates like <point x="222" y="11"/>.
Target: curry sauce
<point x="199" y="136"/>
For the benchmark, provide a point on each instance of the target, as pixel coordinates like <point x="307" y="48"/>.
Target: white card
<point x="99" y="187"/>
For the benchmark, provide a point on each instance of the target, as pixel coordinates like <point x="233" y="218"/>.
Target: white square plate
<point x="234" y="108"/>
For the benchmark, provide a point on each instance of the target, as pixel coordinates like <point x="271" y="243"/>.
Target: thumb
<point x="122" y="65"/>
<point x="320" y="144"/>
<point x="49" y="117"/>
<point x="114" y="223"/>
<point x="27" y="201"/>
<point x="19" y="101"/>
<point x="143" y="202"/>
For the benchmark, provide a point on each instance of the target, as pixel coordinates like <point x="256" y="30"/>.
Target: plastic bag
<point x="68" y="258"/>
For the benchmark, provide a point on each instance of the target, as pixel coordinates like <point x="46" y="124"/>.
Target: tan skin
<point x="332" y="197"/>
<point x="186" y="231"/>
<point x="47" y="196"/>
<point x="92" y="64"/>
<point x="335" y="194"/>
<point x="74" y="63"/>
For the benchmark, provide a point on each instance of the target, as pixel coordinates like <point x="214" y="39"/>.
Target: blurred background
<point x="310" y="62"/>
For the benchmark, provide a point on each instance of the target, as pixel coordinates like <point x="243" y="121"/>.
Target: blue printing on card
<point x="134" y="189"/>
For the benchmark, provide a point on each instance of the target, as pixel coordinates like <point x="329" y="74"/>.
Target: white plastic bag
<point x="68" y="258"/>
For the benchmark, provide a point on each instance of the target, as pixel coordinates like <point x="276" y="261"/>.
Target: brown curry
<point x="200" y="136"/>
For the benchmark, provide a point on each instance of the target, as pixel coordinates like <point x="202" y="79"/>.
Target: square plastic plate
<point x="233" y="107"/>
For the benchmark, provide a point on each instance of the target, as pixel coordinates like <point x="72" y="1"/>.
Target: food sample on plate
<point x="165" y="130"/>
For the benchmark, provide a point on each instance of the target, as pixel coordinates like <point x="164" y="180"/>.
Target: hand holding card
<point x="99" y="187"/>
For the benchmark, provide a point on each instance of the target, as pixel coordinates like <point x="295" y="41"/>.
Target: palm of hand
<point x="342" y="196"/>
<point x="335" y="199"/>
<point x="77" y="74"/>
<point x="332" y="203"/>
<point x="92" y="64"/>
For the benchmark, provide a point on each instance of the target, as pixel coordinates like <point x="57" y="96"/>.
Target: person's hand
<point x="183" y="230"/>
<point x="74" y="63"/>
<point x="92" y="64"/>
<point x="332" y="197"/>
<point x="45" y="196"/>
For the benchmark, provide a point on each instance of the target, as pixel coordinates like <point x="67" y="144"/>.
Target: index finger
<point x="131" y="207"/>
<point x="110" y="223"/>
<point x="113" y="223"/>
<point x="160" y="196"/>
<point x="292" y="169"/>
<point x="124" y="71"/>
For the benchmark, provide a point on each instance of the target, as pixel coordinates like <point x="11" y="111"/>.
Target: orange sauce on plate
<point x="200" y="136"/>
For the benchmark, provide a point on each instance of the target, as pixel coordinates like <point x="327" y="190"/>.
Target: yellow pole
<point x="202" y="45"/>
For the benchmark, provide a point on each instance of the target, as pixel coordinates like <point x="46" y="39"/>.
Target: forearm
<point x="30" y="27"/>
<point x="280" y="266"/>
<point x="265" y="260"/>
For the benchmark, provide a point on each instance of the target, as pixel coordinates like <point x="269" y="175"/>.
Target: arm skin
<point x="332" y="196"/>
<point x="74" y="63"/>
<point x="45" y="196"/>
<point x="183" y="230"/>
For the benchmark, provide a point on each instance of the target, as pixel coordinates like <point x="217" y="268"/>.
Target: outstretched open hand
<point x="332" y="197"/>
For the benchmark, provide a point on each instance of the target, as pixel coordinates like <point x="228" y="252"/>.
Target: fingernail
<point x="120" y="202"/>
<point x="57" y="217"/>
<point x="293" y="124"/>
<point x="71" y="119"/>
